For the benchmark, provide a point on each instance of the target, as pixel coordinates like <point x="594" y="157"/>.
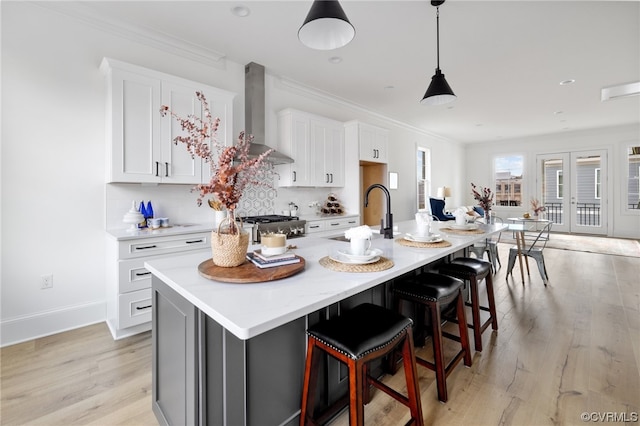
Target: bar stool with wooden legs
<point x="437" y="293"/>
<point x="364" y="333"/>
<point x="474" y="271"/>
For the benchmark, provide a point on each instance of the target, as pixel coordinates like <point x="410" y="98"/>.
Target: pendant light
<point x="439" y="91"/>
<point x="326" y="26"/>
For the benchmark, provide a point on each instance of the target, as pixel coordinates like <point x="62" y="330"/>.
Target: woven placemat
<point x="378" y="266"/>
<point x="407" y="243"/>
<point x="462" y="231"/>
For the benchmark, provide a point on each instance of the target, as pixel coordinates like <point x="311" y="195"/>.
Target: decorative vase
<point x="230" y="243"/>
<point x="487" y="217"/>
<point x="218" y="217"/>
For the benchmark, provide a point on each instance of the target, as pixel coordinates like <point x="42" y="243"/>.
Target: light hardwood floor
<point x="569" y="348"/>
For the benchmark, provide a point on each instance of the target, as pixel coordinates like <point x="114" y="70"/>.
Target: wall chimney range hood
<point x="254" y="114"/>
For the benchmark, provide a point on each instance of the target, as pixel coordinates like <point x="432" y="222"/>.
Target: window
<point x="597" y="184"/>
<point x="633" y="182"/>
<point x="508" y="178"/>
<point x="559" y="184"/>
<point x="423" y="163"/>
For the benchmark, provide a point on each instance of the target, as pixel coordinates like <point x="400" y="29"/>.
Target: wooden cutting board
<point x="248" y="272"/>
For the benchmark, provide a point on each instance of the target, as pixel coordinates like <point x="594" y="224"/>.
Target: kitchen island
<point x="233" y="354"/>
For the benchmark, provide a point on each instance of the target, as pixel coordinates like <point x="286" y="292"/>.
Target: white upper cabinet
<point x="141" y="142"/>
<point x="373" y="142"/>
<point x="317" y="146"/>
<point x="327" y="141"/>
<point x="293" y="130"/>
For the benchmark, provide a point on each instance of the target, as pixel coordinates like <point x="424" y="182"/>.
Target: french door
<point x="573" y="188"/>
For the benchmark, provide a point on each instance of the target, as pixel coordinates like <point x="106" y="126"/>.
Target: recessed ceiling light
<point x="565" y="82"/>
<point x="389" y="87"/>
<point x="241" y="11"/>
<point x="479" y="125"/>
<point x="557" y="112"/>
<point x="335" y="59"/>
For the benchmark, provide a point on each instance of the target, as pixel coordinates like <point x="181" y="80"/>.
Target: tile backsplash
<point x="178" y="203"/>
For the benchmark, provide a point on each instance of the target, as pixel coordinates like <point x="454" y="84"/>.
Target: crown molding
<point x="84" y="13"/>
<point x="326" y="96"/>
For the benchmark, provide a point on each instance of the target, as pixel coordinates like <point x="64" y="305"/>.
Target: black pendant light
<point x="439" y="91"/>
<point x="326" y="26"/>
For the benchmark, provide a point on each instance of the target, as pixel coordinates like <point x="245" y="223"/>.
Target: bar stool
<point x="437" y="293"/>
<point x="356" y="337"/>
<point x="474" y="270"/>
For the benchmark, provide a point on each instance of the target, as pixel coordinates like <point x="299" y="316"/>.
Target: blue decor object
<point x="149" y="210"/>
<point x="479" y="210"/>
<point x="437" y="210"/>
<point x="143" y="212"/>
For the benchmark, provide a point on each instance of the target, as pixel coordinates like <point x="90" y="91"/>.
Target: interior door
<point x="572" y="186"/>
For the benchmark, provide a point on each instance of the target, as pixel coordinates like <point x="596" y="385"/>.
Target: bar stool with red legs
<point x="360" y="335"/>
<point x="474" y="271"/>
<point x="438" y="294"/>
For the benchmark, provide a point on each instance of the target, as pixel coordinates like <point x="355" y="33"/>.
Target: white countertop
<point x="247" y="310"/>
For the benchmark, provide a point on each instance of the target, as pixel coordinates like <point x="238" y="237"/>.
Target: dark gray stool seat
<point x="475" y="270"/>
<point x="437" y="293"/>
<point x="356" y="337"/>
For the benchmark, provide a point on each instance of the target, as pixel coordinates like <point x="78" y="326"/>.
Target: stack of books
<point x="262" y="261"/>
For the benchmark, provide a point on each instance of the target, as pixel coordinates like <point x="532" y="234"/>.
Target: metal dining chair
<point x="489" y="246"/>
<point x="534" y="250"/>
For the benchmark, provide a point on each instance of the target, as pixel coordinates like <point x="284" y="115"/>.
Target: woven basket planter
<point x="229" y="250"/>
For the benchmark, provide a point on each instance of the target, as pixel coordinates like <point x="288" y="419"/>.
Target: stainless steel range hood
<point x="254" y="114"/>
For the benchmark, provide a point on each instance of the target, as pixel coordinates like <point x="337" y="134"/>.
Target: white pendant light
<point x="326" y="26"/>
<point x="439" y="91"/>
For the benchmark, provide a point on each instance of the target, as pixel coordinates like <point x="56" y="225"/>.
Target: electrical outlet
<point x="47" y="281"/>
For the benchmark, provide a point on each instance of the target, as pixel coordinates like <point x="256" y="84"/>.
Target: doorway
<point x="573" y="188"/>
<point x="371" y="173"/>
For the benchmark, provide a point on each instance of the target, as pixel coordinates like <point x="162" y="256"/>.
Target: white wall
<point x="53" y="162"/>
<point x="621" y="223"/>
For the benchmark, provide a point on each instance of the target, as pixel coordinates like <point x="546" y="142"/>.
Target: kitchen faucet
<point x="388" y="230"/>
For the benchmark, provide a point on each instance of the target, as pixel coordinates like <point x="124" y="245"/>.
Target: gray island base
<point x="233" y="354"/>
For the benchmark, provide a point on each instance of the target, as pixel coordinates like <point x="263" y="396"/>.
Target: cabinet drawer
<point x="134" y="308"/>
<point x="315" y="226"/>
<point x="133" y="276"/>
<point x="348" y="222"/>
<point x="163" y="245"/>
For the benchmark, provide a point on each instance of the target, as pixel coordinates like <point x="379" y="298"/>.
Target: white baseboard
<point x="17" y="330"/>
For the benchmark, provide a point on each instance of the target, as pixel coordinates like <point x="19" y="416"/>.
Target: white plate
<point x="338" y="257"/>
<point x="465" y="227"/>
<point x="435" y="238"/>
<point x="369" y="254"/>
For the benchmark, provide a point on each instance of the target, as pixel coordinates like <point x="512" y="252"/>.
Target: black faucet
<point x="388" y="230"/>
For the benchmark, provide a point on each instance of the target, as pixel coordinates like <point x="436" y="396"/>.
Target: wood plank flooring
<point x="569" y="348"/>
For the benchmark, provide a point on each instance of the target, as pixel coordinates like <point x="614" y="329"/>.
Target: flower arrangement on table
<point x="483" y="196"/>
<point x="537" y="207"/>
<point x="231" y="168"/>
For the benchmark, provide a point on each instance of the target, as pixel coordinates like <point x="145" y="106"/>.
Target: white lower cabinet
<point x="129" y="304"/>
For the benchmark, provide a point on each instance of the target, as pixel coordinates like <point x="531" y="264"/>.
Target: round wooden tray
<point x="248" y="272"/>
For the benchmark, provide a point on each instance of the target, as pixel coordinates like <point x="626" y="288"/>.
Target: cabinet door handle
<point x="314" y="226"/>
<point x="157" y="168"/>
<point x="146" y="247"/>
<point x="194" y="241"/>
<point x="140" y="308"/>
<point x="352" y="221"/>
<point x="295" y="177"/>
<point x="326" y="180"/>
<point x="331" y="177"/>
<point x="166" y="169"/>
<point x="334" y="224"/>
<point x="141" y="274"/>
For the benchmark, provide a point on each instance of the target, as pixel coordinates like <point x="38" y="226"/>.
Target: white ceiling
<point x="503" y="59"/>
